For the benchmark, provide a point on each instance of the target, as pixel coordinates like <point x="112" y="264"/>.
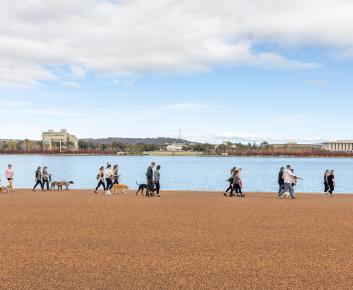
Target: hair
<point x="153" y="163"/>
<point x="115" y="166"/>
<point x="10" y="165"/>
<point x="108" y="166"/>
<point x="282" y="168"/>
<point x="101" y="168"/>
<point x="158" y="167"/>
<point x="288" y="166"/>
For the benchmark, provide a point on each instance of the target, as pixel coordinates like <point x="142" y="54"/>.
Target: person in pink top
<point x="9" y="176"/>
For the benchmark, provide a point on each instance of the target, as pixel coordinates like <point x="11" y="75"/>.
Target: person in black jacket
<point x="327" y="172"/>
<point x="38" y="177"/>
<point x="280" y="181"/>
<point x="331" y="182"/>
<point x="149" y="176"/>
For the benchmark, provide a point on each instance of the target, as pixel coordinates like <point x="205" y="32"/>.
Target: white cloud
<point x="129" y="37"/>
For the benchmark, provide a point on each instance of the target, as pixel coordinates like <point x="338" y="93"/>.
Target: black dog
<point x="141" y="188"/>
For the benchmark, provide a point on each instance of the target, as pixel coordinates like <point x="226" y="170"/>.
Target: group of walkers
<point x="42" y="178"/>
<point x="235" y="183"/>
<point x="107" y="177"/>
<point x="153" y="180"/>
<point x="287" y="181"/>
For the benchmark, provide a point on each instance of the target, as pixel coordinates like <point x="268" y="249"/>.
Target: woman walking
<point x="331" y="182"/>
<point x="157" y="177"/>
<point x="116" y="174"/>
<point x="237" y="185"/>
<point x="9" y="176"/>
<point x="100" y="178"/>
<point x="46" y="177"/>
<point x="327" y="172"/>
<point x="231" y="181"/>
<point x="38" y="177"/>
<point x="108" y="178"/>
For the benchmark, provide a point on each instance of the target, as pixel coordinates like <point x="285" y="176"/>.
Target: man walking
<point x="109" y="178"/>
<point x="149" y="176"/>
<point x="289" y="179"/>
<point x="280" y="181"/>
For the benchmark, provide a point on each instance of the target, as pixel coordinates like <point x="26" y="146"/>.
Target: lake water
<point x="184" y="173"/>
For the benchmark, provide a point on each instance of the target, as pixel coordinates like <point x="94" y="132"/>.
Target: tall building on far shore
<point x="61" y="139"/>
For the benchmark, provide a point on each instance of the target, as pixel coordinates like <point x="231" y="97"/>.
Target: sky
<point x="237" y="70"/>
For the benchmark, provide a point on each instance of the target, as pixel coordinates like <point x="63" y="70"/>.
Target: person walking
<point x="157" y="177"/>
<point x="38" y="177"/>
<point x="331" y="182"/>
<point x="149" y="177"/>
<point x="280" y="181"/>
<point x="45" y="177"/>
<point x="289" y="180"/>
<point x="9" y="174"/>
<point x="231" y="181"/>
<point x="108" y="179"/>
<point x="116" y="174"/>
<point x="100" y="178"/>
<point x="237" y="185"/>
<point x="326" y="189"/>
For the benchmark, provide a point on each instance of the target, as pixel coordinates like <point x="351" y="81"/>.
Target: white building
<point x="62" y="137"/>
<point x="175" y="147"/>
<point x="338" y="146"/>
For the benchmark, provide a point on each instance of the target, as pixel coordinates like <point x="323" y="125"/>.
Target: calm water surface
<point x="184" y="173"/>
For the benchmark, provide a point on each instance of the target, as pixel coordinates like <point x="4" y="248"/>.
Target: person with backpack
<point x="38" y="178"/>
<point x="231" y="181"/>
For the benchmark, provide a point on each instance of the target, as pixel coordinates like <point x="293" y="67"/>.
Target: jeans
<point x="101" y="182"/>
<point x="281" y="188"/>
<point x="158" y="187"/>
<point x="39" y="182"/>
<point x="289" y="187"/>
<point x="109" y="183"/>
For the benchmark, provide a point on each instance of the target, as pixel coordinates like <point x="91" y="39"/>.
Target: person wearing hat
<point x="38" y="177"/>
<point x="46" y="177"/>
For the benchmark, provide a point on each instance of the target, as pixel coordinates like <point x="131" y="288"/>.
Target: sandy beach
<point x="184" y="240"/>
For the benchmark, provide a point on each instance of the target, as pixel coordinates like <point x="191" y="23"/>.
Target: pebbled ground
<point x="184" y="240"/>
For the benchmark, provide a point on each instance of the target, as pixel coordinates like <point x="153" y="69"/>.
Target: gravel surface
<point x="184" y="240"/>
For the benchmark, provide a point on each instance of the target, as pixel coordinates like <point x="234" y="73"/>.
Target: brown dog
<point x="120" y="188"/>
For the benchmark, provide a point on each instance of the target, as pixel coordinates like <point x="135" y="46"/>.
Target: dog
<point x="286" y="195"/>
<point x="4" y="189"/>
<point x="60" y="185"/>
<point x="120" y="188"/>
<point x="141" y="188"/>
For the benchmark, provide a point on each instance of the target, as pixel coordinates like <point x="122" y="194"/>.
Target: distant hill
<point x="134" y="141"/>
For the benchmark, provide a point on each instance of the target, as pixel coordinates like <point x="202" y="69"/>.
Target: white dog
<point x="286" y="195"/>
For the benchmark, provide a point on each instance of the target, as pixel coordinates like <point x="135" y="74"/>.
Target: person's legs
<point x="280" y="188"/>
<point x="150" y="187"/>
<point x="157" y="188"/>
<point x="46" y="182"/>
<point x="239" y="192"/>
<point x="109" y="183"/>
<point x="37" y="183"/>
<point x="331" y="189"/>
<point x="326" y="187"/>
<point x="10" y="185"/>
<point x="229" y="187"/>
<point x="291" y="191"/>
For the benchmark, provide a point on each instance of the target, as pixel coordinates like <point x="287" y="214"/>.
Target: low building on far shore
<point x="296" y="146"/>
<point x="61" y="139"/>
<point x="338" y="146"/>
<point x="175" y="148"/>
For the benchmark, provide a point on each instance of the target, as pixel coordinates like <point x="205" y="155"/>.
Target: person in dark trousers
<point x="116" y="174"/>
<point x="237" y="185"/>
<point x="100" y="178"/>
<point x="327" y="172"/>
<point x="157" y="177"/>
<point x="46" y="177"/>
<point x="231" y="181"/>
<point x="149" y="176"/>
<point x="280" y="181"/>
<point x="38" y="177"/>
<point x="331" y="182"/>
